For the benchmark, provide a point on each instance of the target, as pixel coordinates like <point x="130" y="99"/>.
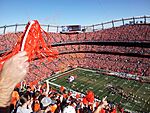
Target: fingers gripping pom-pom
<point x="33" y="43"/>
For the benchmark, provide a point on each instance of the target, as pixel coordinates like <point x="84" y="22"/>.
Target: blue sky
<point x="64" y="12"/>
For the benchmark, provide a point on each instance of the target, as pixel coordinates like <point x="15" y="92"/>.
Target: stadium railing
<point x="91" y="28"/>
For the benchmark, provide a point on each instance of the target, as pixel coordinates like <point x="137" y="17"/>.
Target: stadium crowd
<point x="124" y="33"/>
<point x="38" y="98"/>
<point x="111" y="63"/>
<point x="127" y="64"/>
<point x="42" y="98"/>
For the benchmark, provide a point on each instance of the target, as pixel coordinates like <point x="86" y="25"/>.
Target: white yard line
<point x="104" y="87"/>
<point x="74" y="92"/>
<point x="125" y="104"/>
<point x="136" y="93"/>
<point x="145" y="102"/>
<point x="57" y="75"/>
<point x="120" y="86"/>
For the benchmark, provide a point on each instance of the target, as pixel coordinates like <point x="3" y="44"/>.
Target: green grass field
<point x="138" y="93"/>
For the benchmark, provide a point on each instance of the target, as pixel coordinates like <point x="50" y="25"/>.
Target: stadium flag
<point x="90" y="96"/>
<point x="32" y="41"/>
<point x="85" y="100"/>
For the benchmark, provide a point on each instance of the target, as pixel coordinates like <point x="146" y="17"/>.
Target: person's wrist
<point x="6" y="82"/>
<point x="101" y="105"/>
<point x="5" y="92"/>
<point x="5" y="97"/>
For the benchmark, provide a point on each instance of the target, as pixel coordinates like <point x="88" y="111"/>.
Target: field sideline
<point x="132" y="95"/>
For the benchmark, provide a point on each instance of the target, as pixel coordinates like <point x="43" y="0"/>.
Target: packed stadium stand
<point x="123" y="50"/>
<point x="119" y="49"/>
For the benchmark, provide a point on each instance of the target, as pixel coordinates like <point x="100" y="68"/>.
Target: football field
<point x="132" y="95"/>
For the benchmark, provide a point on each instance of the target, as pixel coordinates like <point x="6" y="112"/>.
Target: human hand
<point x="15" y="69"/>
<point x="102" y="105"/>
<point x="104" y="102"/>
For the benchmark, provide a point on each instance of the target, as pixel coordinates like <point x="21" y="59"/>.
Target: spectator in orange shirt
<point x="15" y="97"/>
